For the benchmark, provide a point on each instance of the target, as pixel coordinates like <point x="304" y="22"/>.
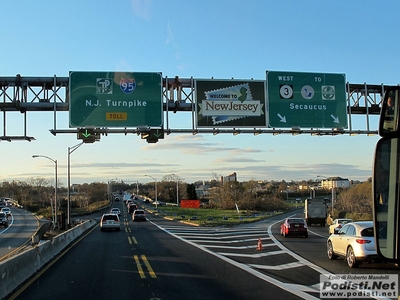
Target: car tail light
<point x="362" y="241"/>
<point x="339" y="226"/>
<point x="288" y="226"/>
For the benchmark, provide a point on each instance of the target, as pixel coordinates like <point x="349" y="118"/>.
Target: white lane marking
<point x="294" y="289"/>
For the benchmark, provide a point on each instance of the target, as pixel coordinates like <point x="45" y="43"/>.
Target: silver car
<point x="354" y="241"/>
<point x="337" y="224"/>
<point x="115" y="211"/>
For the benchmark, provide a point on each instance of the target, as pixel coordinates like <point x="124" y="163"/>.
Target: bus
<point x="386" y="176"/>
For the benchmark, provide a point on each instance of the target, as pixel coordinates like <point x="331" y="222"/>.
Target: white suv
<point x="109" y="221"/>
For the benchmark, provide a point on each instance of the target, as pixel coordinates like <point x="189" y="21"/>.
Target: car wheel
<point x="351" y="258"/>
<point x="330" y="252"/>
<point x="306" y="235"/>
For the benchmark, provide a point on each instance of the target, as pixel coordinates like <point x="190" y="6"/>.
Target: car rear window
<point x="110" y="217"/>
<point x="369" y="232"/>
<point x="139" y="212"/>
<point x="298" y="221"/>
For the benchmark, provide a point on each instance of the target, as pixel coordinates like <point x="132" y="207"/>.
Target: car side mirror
<point x="389" y="116"/>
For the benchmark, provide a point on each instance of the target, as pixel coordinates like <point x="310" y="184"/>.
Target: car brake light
<point x="288" y="226"/>
<point x="361" y="241"/>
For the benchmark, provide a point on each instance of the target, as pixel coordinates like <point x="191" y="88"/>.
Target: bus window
<point x="386" y="197"/>
<point x="388" y="123"/>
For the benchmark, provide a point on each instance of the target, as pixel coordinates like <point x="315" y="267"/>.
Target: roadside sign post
<point x="115" y="99"/>
<point x="311" y="100"/>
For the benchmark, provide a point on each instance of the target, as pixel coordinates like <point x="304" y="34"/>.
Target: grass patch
<point x="212" y="217"/>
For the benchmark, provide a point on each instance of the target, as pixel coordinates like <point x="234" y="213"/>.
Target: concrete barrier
<point x="17" y="269"/>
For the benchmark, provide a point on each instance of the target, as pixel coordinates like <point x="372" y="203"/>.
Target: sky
<point x="200" y="39"/>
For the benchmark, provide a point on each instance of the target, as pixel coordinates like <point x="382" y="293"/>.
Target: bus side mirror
<point x="389" y="117"/>
<point x="386" y="198"/>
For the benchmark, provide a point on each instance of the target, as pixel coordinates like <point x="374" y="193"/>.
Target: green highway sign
<point x="311" y="100"/>
<point x="115" y="99"/>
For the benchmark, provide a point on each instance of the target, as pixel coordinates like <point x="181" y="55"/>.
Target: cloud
<point x="197" y="145"/>
<point x="142" y="8"/>
<point x="170" y="35"/>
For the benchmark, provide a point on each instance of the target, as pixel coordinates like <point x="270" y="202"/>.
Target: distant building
<point x="335" y="182"/>
<point x="202" y="191"/>
<point x="231" y="177"/>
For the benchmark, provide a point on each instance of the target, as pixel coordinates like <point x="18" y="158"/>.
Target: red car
<point x="294" y="226"/>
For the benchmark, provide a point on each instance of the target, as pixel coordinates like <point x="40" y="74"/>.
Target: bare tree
<point x="356" y="200"/>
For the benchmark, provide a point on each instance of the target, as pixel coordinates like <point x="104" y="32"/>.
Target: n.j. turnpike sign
<point x="115" y="99"/>
<point x="230" y="103"/>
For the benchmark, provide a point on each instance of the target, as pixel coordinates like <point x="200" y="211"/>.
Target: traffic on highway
<point x="167" y="259"/>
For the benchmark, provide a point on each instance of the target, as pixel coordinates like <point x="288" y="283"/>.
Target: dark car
<point x="294" y="226"/>
<point x="3" y="219"/>
<point x="132" y="207"/>
<point x="139" y="215"/>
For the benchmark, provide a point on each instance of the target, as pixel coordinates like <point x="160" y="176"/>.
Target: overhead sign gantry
<point x="211" y="110"/>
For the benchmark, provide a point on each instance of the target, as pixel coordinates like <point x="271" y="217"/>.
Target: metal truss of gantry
<point x="51" y="94"/>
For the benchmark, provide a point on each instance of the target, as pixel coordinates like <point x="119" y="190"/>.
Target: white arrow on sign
<point x="283" y="119"/>
<point x="335" y="119"/>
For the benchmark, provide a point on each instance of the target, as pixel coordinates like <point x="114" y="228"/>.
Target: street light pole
<point x="55" y="187"/>
<point x="155" y="180"/>
<point x="70" y="150"/>
<point x="177" y="189"/>
<point x="177" y="192"/>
